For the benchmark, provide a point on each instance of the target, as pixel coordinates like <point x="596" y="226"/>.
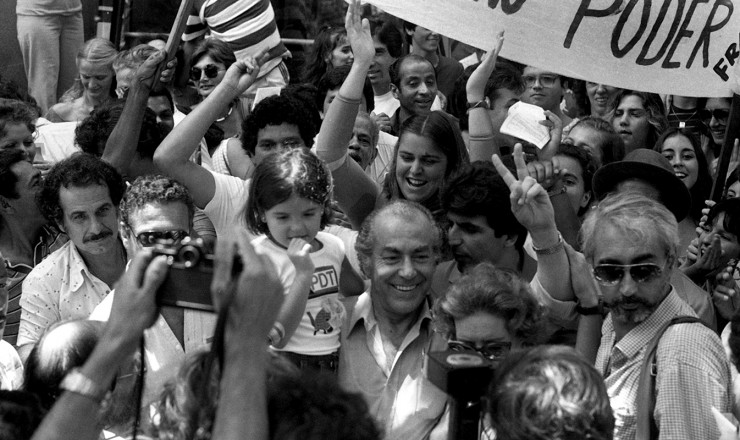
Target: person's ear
<point x="510" y="240"/>
<point x="127" y="235"/>
<point x="5" y="206"/>
<point x="395" y="92"/>
<point x="585" y="199"/>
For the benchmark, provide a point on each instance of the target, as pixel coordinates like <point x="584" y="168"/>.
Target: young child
<point x="289" y="203"/>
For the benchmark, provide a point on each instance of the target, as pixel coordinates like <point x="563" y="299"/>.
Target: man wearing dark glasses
<point x="631" y="243"/>
<point x="157" y="208"/>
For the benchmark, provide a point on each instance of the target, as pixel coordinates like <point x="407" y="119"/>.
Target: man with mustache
<point x="631" y="243"/>
<point x="80" y="195"/>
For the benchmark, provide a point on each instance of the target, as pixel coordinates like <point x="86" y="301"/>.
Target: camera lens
<point x="189" y="256"/>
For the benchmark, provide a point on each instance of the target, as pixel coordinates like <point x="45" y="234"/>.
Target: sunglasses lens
<point x="608" y="274"/>
<point x="721" y="115"/>
<point x="211" y="71"/>
<point x="195" y="73"/>
<point x="644" y="273"/>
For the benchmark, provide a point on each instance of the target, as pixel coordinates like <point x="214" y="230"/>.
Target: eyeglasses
<point x="545" y="80"/>
<point x="211" y="71"/>
<point x="150" y="238"/>
<point x="720" y="114"/>
<point x="491" y="350"/>
<point x="611" y="274"/>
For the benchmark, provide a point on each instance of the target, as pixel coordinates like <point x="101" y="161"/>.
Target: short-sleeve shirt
<point x="60" y="287"/>
<point x="226" y="208"/>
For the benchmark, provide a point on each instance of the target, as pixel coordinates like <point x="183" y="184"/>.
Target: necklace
<point x="231" y="108"/>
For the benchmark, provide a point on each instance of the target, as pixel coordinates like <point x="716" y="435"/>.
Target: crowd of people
<point x="323" y="235"/>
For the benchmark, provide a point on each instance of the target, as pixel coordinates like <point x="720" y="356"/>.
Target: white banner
<point x="681" y="47"/>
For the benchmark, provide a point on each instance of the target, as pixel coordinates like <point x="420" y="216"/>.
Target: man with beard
<point x="631" y="243"/>
<point x="80" y="196"/>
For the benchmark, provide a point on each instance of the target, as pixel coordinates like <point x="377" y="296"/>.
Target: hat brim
<point x="673" y="192"/>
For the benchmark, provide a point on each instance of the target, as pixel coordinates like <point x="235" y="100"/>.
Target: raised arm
<point x="353" y="189"/>
<point x="134" y="310"/>
<point x="532" y="208"/>
<point x="121" y="145"/>
<point x="482" y="145"/>
<point x="173" y="154"/>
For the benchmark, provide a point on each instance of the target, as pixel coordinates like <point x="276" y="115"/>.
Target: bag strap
<point x="646" y="426"/>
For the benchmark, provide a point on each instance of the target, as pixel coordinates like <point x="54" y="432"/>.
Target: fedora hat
<point x="651" y="167"/>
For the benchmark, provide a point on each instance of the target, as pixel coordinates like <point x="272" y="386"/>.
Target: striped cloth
<point x="247" y="26"/>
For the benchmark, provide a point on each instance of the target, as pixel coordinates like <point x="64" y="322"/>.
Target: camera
<point x="465" y="377"/>
<point x="188" y="282"/>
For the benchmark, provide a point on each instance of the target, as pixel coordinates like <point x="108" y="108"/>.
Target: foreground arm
<point x="134" y="310"/>
<point x="252" y="309"/>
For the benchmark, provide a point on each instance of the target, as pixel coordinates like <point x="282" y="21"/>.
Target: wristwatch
<point x="483" y="103"/>
<point x="595" y="310"/>
<point x="78" y="383"/>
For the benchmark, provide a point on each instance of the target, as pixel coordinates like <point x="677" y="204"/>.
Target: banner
<point x="681" y="47"/>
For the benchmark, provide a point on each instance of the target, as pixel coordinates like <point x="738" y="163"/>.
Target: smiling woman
<point x="95" y="85"/>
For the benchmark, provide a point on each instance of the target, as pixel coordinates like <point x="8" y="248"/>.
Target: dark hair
<point x="612" y="145"/>
<point x="731" y="209"/>
<point x="732" y="178"/>
<point x="10" y="90"/>
<point x="154" y="189"/>
<point x="477" y="189"/>
<point x="580" y="96"/>
<point x="277" y="110"/>
<point x="8" y="179"/>
<point x="81" y="169"/>
<point x="549" y="392"/>
<point x="388" y="34"/>
<point x="324" y="43"/>
<point x="163" y="92"/>
<point x="307" y="95"/>
<point x="47" y="366"/>
<point x="654" y="108"/>
<point x="281" y="175"/>
<point x="395" y="69"/>
<point x="498" y="292"/>
<point x="406" y="210"/>
<point x="93" y="132"/>
<point x="16" y="112"/>
<point x="20" y="414"/>
<point x="588" y="166"/>
<point x="408" y="27"/>
<point x="442" y="131"/>
<point x="334" y="79"/>
<point x="505" y="76"/>
<point x="703" y="185"/>
<point x="219" y="51"/>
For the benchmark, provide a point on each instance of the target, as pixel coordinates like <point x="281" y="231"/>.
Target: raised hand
<point x="555" y="126"/>
<point x="243" y="73"/>
<point x="530" y="203"/>
<point x="724" y="294"/>
<point x="358" y="34"/>
<point x="299" y="252"/>
<point x="584" y="286"/>
<point x="476" y="85"/>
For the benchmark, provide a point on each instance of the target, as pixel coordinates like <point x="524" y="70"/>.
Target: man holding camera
<point x="80" y="195"/>
<point x="157" y="208"/>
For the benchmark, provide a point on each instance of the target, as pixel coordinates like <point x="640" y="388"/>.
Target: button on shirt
<point x="693" y="374"/>
<point x="60" y="287"/>
<point x="399" y="396"/>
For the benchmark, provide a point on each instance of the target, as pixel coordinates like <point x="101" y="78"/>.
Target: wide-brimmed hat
<point x="652" y="167"/>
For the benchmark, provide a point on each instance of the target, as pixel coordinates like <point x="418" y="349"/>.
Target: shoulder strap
<point x="646" y="426"/>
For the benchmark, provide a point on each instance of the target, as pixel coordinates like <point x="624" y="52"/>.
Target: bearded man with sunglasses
<point x="631" y="243"/>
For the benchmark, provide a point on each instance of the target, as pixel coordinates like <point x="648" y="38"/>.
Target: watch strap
<point x="78" y="383"/>
<point x="595" y="310"/>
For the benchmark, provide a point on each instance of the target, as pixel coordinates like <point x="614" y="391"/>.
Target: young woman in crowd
<point x="17" y="128"/>
<point x="684" y="152"/>
<point x="95" y="85"/>
<point x="330" y="49"/>
<point x="732" y="184"/>
<point x="639" y="118"/>
<point x="598" y="137"/>
<point x="599" y="97"/>
<point x="289" y="203"/>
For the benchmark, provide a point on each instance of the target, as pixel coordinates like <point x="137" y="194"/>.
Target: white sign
<point x="682" y="47"/>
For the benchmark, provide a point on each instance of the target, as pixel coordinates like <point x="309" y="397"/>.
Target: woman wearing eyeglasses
<point x="490" y="311"/>
<point x="716" y="115"/>
<point x="222" y="151"/>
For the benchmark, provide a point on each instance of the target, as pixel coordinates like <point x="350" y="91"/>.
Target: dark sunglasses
<point x="490" y="351"/>
<point x="211" y="71"/>
<point x="719" y="114"/>
<point x="151" y="238"/>
<point x="611" y="274"/>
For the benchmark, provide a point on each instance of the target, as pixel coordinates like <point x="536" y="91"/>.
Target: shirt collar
<point x="639" y="337"/>
<point x="363" y="311"/>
